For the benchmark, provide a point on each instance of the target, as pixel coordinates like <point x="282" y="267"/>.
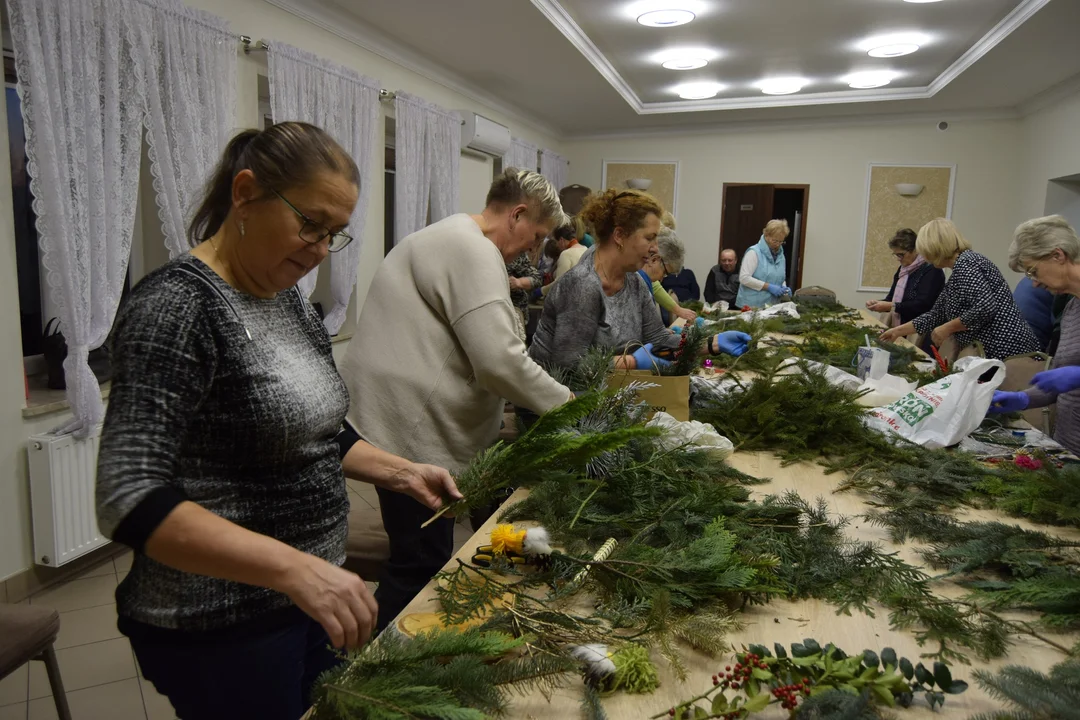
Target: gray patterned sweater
<point x="229" y="401"/>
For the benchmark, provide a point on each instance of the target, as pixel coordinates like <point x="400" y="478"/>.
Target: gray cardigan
<point x="578" y="315"/>
<point x="1067" y="427"/>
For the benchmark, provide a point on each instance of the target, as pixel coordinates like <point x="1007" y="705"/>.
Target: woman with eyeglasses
<point x="976" y="303"/>
<point x="667" y="261"/>
<point x="603" y="302"/>
<point x="219" y="461"/>
<point x="1047" y="251"/>
<point x="916" y="283"/>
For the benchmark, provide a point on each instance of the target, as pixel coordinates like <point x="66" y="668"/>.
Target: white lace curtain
<point x="305" y="87"/>
<point x="188" y="79"/>
<point x="427" y="153"/>
<point x="522" y="155"/>
<point x="555" y="168"/>
<point x="85" y="70"/>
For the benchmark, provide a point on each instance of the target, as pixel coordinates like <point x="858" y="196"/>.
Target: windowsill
<point x="45" y="401"/>
<point x="341" y="337"/>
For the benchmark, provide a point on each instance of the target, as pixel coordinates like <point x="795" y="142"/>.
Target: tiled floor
<point x="96" y="662"/>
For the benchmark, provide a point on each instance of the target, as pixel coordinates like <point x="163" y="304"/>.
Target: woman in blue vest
<point x="764" y="269"/>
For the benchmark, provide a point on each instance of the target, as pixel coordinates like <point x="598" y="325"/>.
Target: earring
<point x="241" y="228"/>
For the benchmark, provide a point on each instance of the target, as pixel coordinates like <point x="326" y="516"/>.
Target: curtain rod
<point x="251" y="46"/>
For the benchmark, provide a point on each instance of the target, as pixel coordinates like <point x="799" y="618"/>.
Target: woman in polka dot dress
<point x="976" y="304"/>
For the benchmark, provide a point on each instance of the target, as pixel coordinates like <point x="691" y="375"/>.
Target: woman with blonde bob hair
<point x="1047" y="250"/>
<point x="763" y="275"/>
<point x="976" y="303"/>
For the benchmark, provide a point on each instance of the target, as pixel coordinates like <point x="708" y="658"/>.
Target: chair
<point x="1019" y="369"/>
<point x="29" y="632"/>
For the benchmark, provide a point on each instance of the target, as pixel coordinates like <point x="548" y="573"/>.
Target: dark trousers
<point x="266" y="675"/>
<point x="415" y="554"/>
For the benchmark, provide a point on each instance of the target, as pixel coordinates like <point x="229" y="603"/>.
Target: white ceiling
<point x="586" y="67"/>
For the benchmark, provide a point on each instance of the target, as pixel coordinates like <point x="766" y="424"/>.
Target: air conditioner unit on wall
<point x="483" y="135"/>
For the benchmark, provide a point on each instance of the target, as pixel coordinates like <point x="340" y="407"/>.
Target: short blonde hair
<point x="667" y="220"/>
<point x="514" y="187"/>
<point x="671" y="249"/>
<point x="1039" y="238"/>
<point x="776" y="228"/>
<point x="940" y="240"/>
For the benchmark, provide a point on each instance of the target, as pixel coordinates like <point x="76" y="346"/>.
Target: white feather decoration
<point x="537" y="542"/>
<point x="596" y="658"/>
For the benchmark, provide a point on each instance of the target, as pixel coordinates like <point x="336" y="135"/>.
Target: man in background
<point x="723" y="280"/>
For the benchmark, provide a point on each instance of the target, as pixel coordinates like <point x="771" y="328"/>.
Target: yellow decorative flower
<point x="505" y="538"/>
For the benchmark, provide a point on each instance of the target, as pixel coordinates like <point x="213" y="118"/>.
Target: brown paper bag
<point x="672" y="394"/>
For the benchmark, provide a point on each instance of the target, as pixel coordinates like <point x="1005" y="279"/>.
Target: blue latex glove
<point x="732" y="342"/>
<point x="538" y="293"/>
<point x="1008" y="402"/>
<point x="776" y="290"/>
<point x="645" y="360"/>
<point x="1059" y="380"/>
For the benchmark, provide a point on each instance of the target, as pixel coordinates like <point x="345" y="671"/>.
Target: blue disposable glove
<point x="1008" y="402"/>
<point x="776" y="290"/>
<point x="732" y="342"/>
<point x="538" y="293"/>
<point x="1059" y="380"/>
<point x="645" y="360"/>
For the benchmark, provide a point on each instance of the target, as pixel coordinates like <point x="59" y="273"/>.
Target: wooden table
<point x="784" y="621"/>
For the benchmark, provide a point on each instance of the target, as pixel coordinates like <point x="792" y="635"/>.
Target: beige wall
<point x="259" y="20"/>
<point x="1051" y="145"/>
<point x="834" y="162"/>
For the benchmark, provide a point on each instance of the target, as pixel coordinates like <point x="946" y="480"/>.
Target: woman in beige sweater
<point x="437" y="349"/>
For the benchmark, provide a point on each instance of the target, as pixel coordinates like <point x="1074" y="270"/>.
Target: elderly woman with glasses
<point x="915" y="286"/>
<point x="976" y="304"/>
<point x="1047" y="251"/>
<point x="667" y="261"/>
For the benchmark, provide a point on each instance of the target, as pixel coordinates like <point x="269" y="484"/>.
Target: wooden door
<point x="746" y="209"/>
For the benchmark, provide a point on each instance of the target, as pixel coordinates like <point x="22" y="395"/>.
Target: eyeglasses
<point x="899" y="256"/>
<point x="314" y="233"/>
<point x="664" y="265"/>
<point x="1032" y="272"/>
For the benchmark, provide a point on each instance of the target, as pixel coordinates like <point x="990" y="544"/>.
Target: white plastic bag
<point x="718" y="306"/>
<point x="884" y="390"/>
<point x="693" y="433"/>
<point x="946" y="411"/>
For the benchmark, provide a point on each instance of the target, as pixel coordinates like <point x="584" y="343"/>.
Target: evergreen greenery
<point x="1032" y="695"/>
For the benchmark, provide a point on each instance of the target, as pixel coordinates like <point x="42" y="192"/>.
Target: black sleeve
<point x="710" y="288"/>
<point x="695" y="289"/>
<point x="892" y="290"/>
<point x="346" y="439"/>
<point x="924" y="297"/>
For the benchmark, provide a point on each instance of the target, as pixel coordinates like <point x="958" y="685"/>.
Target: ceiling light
<point x="782" y="86"/>
<point x="871" y="79"/>
<point x="698" y="90"/>
<point x="685" y="62"/>
<point x="891" y="51"/>
<point x="666" y="18"/>
<point x="922" y="1"/>
<point x="893" y="45"/>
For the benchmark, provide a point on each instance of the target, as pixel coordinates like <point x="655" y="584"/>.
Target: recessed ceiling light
<point x="870" y="79"/>
<point x="686" y="62"/>
<point x="893" y="45"/>
<point x="922" y="1"/>
<point x="698" y="90"/>
<point x="666" y="18"/>
<point x="891" y="51"/>
<point x="782" y="86"/>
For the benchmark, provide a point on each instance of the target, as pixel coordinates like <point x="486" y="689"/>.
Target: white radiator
<point x="62" y="471"/>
